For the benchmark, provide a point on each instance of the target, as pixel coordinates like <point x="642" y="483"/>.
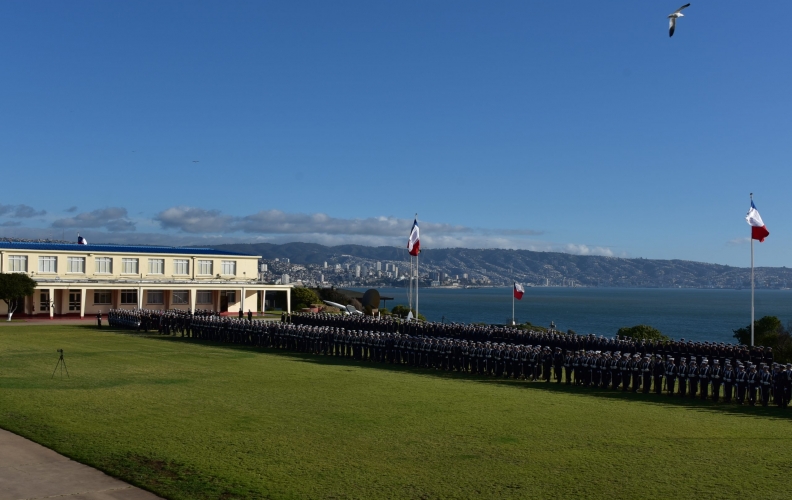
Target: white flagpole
<point x="417" y="276"/>
<point x="752" y="285"/>
<point x="410" y="286"/>
<point x="514" y="286"/>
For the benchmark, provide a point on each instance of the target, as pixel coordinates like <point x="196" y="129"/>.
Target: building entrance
<point x="74" y="301"/>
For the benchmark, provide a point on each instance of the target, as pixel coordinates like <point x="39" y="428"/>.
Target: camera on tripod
<point x="61" y="364"/>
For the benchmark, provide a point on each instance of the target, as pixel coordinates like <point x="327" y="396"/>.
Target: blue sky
<point x="571" y="126"/>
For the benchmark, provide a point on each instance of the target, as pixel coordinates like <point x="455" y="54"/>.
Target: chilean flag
<point x="518" y="291"/>
<point x="758" y="229"/>
<point x="414" y="243"/>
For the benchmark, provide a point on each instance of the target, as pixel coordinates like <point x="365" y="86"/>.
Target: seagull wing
<point x="682" y="8"/>
<point x="671" y="26"/>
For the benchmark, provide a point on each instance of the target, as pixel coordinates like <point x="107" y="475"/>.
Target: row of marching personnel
<point x="738" y="382"/>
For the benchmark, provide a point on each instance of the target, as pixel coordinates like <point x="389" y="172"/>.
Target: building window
<point x="229" y="267"/>
<point x="75" y="265"/>
<point x="129" y="297"/>
<point x="102" y="298"/>
<point x="156" y="266"/>
<point x="205" y="267"/>
<point x="204" y="297"/>
<point x="104" y="265"/>
<point x="48" y="264"/>
<point x="181" y="266"/>
<point x="156" y="298"/>
<point x="231" y="296"/>
<point x="181" y="296"/>
<point x="129" y="266"/>
<point x="17" y="263"/>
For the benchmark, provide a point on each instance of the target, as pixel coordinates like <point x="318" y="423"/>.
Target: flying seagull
<point x="673" y="17"/>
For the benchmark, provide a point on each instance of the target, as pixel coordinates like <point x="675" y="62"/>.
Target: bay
<point x="692" y="314"/>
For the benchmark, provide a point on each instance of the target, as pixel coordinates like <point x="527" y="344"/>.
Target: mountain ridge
<point x="502" y="266"/>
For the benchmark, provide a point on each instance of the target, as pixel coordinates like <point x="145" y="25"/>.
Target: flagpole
<point x="417" y="276"/>
<point x="752" y="285"/>
<point x="410" y="286"/>
<point x="514" y="286"/>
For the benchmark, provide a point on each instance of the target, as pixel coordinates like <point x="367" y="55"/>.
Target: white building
<point x="77" y="279"/>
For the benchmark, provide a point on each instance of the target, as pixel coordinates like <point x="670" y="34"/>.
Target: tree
<point x="333" y="295"/>
<point x="304" y="297"/>
<point x="14" y="287"/>
<point x="642" y="332"/>
<point x="766" y="332"/>
<point x="769" y="332"/>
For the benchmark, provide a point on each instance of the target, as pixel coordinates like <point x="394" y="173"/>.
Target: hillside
<point x="501" y="266"/>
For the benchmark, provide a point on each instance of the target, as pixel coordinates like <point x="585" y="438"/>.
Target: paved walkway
<point x="31" y="471"/>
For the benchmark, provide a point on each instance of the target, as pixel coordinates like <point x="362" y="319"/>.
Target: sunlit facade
<point x="84" y="280"/>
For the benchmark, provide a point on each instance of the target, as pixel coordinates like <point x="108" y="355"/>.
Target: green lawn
<point x="190" y="421"/>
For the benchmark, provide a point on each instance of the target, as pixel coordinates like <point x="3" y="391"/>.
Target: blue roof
<point x="73" y="247"/>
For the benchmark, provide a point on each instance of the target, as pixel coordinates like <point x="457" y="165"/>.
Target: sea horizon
<point x="699" y="314"/>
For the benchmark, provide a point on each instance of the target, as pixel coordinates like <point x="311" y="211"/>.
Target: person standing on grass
<point x="99" y="319"/>
<point x="752" y="380"/>
<point x="658" y="373"/>
<point x="704" y="376"/>
<point x="693" y="374"/>
<point x="729" y="378"/>
<point x="765" y="382"/>
<point x="647" y="367"/>
<point x="636" y="373"/>
<point x="682" y="373"/>
<point x="716" y="375"/>
<point x="670" y="376"/>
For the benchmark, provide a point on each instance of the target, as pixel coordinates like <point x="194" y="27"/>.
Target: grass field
<point x="192" y="421"/>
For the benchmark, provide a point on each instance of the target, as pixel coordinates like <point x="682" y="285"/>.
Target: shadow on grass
<point x="694" y="404"/>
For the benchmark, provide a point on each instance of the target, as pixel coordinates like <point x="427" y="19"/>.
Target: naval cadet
<point x="670" y="375"/>
<point x="716" y="375"/>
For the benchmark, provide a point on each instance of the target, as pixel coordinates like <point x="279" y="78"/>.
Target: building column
<point x="193" y="293"/>
<point x="288" y="300"/>
<point x="51" y="305"/>
<point x="83" y="292"/>
<point x="140" y="297"/>
<point x="242" y="302"/>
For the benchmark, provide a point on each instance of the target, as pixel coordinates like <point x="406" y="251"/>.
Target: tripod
<point x="62" y="365"/>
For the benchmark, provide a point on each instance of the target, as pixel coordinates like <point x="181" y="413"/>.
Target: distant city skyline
<point x="522" y="125"/>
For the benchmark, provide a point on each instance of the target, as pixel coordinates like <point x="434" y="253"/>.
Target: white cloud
<point x="587" y="250"/>
<point x="21" y="211"/>
<point x="113" y="219"/>
<point x="197" y="226"/>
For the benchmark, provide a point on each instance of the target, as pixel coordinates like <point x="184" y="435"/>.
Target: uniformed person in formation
<point x="494" y="351"/>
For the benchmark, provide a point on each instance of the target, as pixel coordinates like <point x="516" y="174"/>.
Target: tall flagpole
<point x="417" y="282"/>
<point x="410" y="286"/>
<point x="752" y="285"/>
<point x="514" y="286"/>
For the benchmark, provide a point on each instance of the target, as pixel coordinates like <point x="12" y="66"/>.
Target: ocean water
<point x="691" y="314"/>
